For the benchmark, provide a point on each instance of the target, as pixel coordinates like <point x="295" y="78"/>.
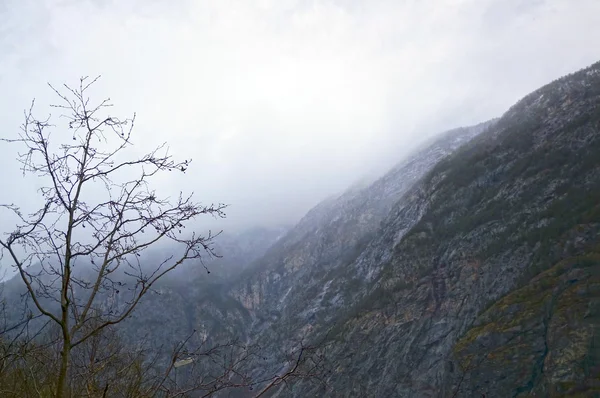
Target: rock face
<point x="485" y="273"/>
<point x="323" y="265"/>
<point x="473" y="274"/>
<point x="540" y="339"/>
<point x="191" y="300"/>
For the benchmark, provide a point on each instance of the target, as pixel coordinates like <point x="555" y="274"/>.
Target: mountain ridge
<point x="490" y="217"/>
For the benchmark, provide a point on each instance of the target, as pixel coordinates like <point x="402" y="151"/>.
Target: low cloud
<point x="282" y="103"/>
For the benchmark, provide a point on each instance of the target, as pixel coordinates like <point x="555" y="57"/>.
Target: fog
<point x="281" y="103"/>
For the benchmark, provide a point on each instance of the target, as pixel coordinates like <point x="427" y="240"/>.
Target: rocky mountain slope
<point x="319" y="269"/>
<point x="485" y="275"/>
<point x="190" y="299"/>
<point x="244" y="297"/>
<point x="299" y="286"/>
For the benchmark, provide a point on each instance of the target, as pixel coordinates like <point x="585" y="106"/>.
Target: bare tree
<point x="103" y="366"/>
<point x="231" y="366"/>
<point x="100" y="213"/>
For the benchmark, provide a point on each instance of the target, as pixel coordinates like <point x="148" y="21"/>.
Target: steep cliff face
<point x="541" y="339"/>
<point x="190" y="299"/>
<point x="491" y="287"/>
<point x="304" y="276"/>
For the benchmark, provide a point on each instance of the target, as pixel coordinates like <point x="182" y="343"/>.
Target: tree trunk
<point x="61" y="389"/>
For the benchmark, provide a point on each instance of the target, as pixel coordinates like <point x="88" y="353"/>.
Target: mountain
<point x="485" y="275"/>
<point x="191" y="299"/>
<point x="270" y="285"/>
<point x="470" y="269"/>
<point x="318" y="270"/>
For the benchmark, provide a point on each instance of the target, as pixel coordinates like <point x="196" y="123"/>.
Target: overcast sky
<point x="281" y="103"/>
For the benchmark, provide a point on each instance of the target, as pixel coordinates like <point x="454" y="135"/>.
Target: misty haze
<point x="297" y="198"/>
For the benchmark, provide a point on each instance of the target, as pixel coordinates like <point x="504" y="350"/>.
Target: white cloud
<point x="281" y="103"/>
